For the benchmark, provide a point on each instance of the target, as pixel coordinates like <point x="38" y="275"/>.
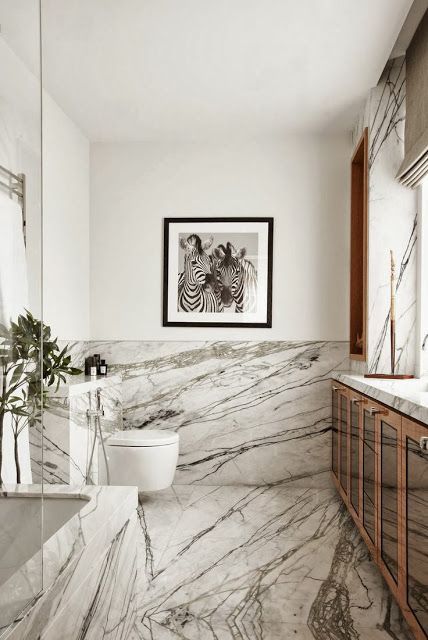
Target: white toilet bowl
<point x="141" y="457"/>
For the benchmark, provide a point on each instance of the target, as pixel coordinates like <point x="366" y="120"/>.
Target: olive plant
<point x="30" y="362"/>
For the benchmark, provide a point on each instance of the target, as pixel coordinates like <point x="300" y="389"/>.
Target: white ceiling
<point x="184" y="69"/>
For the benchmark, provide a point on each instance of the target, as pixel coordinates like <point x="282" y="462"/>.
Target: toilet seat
<point x="143" y="438"/>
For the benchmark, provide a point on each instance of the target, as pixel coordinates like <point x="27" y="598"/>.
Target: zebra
<point x="237" y="277"/>
<point x="198" y="290"/>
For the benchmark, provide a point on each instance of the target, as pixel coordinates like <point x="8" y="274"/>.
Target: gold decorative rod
<point x="392" y="312"/>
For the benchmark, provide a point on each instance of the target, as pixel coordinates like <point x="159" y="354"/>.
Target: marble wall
<point x="392" y="224"/>
<point x="62" y="456"/>
<point x="247" y="412"/>
<point x="68" y="433"/>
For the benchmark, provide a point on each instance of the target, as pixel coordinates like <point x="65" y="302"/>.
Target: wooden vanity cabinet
<point x="382" y="476"/>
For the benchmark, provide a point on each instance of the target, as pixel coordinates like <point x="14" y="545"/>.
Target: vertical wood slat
<point x="360" y="522"/>
<point x="393" y="420"/>
<point x="343" y="440"/>
<point x="358" y="244"/>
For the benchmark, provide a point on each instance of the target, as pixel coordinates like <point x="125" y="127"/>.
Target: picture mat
<point x="204" y="230"/>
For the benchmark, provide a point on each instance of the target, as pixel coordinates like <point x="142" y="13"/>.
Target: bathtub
<point x="89" y="545"/>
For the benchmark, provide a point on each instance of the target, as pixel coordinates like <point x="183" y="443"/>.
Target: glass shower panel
<point x="20" y="308"/>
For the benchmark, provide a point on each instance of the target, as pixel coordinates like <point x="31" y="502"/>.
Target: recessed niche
<point x="358" y="294"/>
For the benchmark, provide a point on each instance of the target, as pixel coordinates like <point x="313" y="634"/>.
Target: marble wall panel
<point x="247" y="412"/>
<point x="392" y="225"/>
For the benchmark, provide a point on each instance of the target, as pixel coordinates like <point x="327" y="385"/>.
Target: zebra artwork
<point x="223" y="280"/>
<point x="237" y="278"/>
<point x="197" y="287"/>
<point x="217" y="272"/>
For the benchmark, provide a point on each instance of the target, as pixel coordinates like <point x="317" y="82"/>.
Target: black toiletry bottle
<point x="103" y="368"/>
<point x="88" y="363"/>
<point x="94" y="368"/>
<point x="97" y="359"/>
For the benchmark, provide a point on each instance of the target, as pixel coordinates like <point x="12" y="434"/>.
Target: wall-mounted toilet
<point x="141" y="457"/>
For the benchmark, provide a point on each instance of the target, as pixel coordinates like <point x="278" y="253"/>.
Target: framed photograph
<point x="217" y="272"/>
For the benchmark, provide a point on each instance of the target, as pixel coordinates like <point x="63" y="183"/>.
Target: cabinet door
<point x="415" y="508"/>
<point x="335" y="429"/>
<point x="369" y="474"/>
<point x="389" y="438"/>
<point x="355" y="428"/>
<point x="343" y="440"/>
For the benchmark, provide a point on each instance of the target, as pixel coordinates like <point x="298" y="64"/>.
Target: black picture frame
<point x="166" y="322"/>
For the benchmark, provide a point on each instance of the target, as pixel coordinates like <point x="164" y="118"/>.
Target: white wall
<point x="65" y="196"/>
<point x="301" y="181"/>
<point x="65" y="224"/>
<point x="20" y="152"/>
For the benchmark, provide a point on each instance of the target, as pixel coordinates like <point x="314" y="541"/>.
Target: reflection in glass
<point x="417" y="532"/>
<point x="20" y="305"/>
<point x="335" y="429"/>
<point x="369" y="464"/>
<point x="344" y="443"/>
<point x="355" y="455"/>
<point x="389" y="498"/>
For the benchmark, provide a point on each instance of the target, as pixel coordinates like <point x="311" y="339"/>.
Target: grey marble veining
<point x="392" y="225"/>
<point x="68" y="433"/>
<point x="246" y="412"/>
<point x="78" y="351"/>
<point x="407" y="396"/>
<point x="89" y="569"/>
<point x="257" y="563"/>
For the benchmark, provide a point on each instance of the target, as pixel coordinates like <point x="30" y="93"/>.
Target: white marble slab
<point x="68" y="433"/>
<point x="92" y="555"/>
<point x="77" y="385"/>
<point x="392" y="225"/>
<point x="246" y="412"/>
<point x="258" y="563"/>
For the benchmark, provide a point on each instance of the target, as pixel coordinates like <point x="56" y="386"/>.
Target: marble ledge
<point x="410" y="397"/>
<point x="76" y="385"/>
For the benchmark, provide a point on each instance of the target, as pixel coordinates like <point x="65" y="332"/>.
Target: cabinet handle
<point x="373" y="411"/>
<point x="423" y="443"/>
<point x="335" y="389"/>
<point x="356" y="400"/>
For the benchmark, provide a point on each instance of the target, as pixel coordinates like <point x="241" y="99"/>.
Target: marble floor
<point x="257" y="563"/>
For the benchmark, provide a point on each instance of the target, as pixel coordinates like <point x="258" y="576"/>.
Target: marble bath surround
<point x="275" y="562"/>
<point x="89" y="569"/>
<point x="247" y="412"/>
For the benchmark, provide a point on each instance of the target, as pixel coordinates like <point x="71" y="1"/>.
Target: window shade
<point x="415" y="165"/>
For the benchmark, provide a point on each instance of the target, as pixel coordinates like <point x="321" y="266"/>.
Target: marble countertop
<point x="77" y="385"/>
<point x="407" y="396"/>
